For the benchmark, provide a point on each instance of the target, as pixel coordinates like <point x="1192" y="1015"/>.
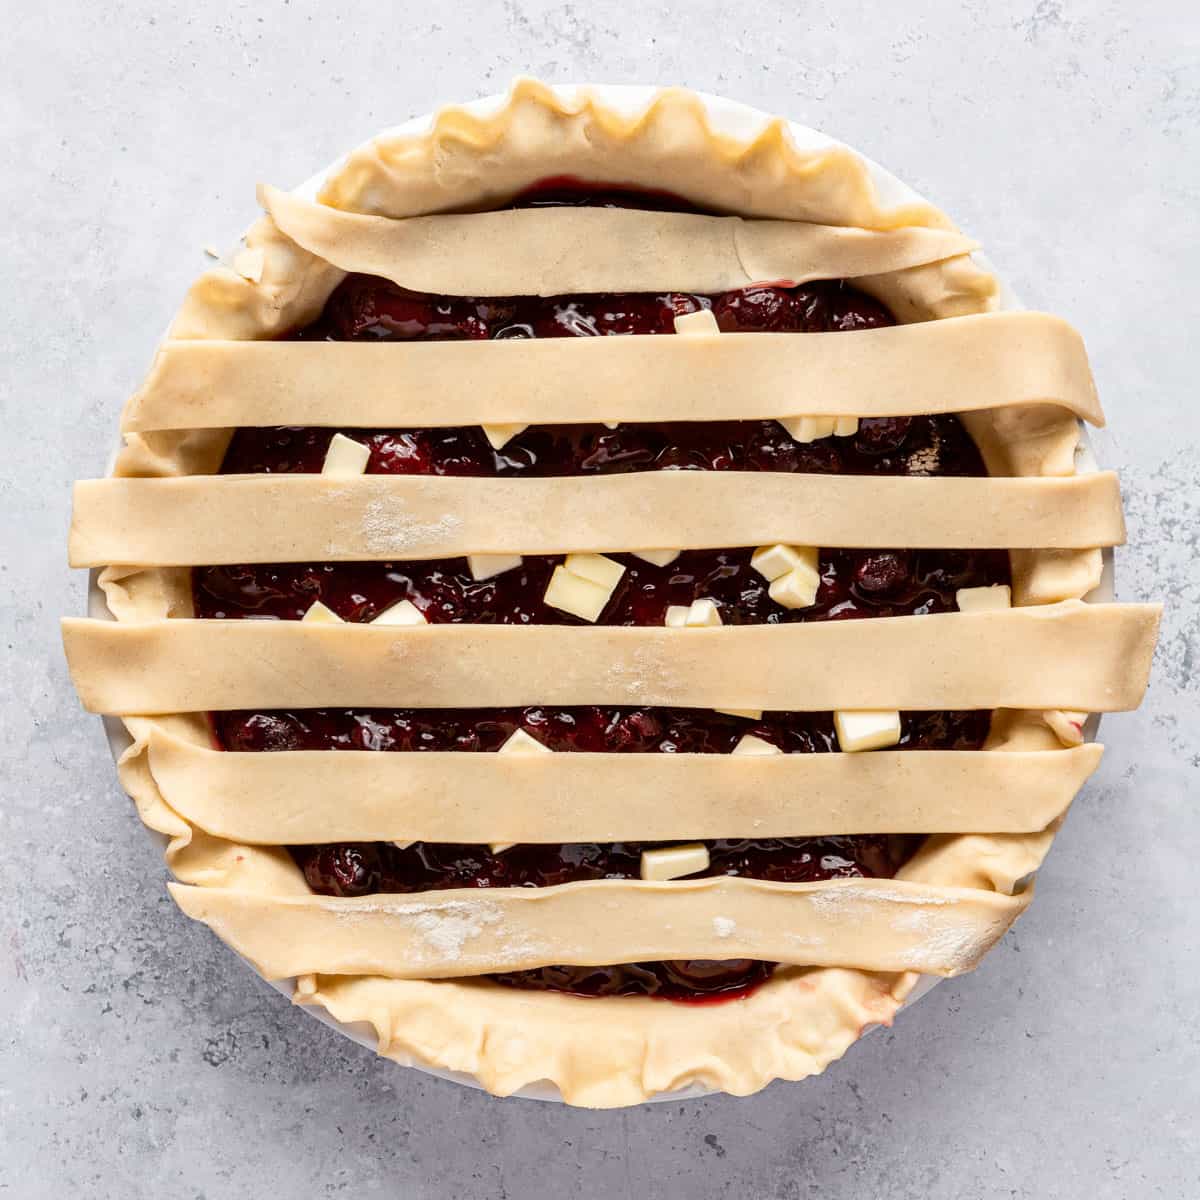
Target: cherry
<point x="345" y="870"/>
<point x="885" y="571"/>
<point x="262" y="732"/>
<point x="882" y="435"/>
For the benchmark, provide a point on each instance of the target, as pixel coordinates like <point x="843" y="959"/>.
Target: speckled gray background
<point x="137" y="1058"/>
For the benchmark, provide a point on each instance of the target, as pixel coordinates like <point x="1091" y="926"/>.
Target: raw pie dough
<point x="253" y="518"/>
<point x="961" y="364"/>
<point x="1090" y="658"/>
<point x="557" y="251"/>
<point x="309" y="796"/>
<point x="947" y="904"/>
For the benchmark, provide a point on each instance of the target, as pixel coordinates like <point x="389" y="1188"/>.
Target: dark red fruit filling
<point x="364" y="868"/>
<point x="364" y="308"/>
<point x="882" y="446"/>
<point x="690" y="981"/>
<point x="854" y="584"/>
<point x="576" y="729"/>
<point x="358" y="869"/>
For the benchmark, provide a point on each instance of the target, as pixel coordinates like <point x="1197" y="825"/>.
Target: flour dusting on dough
<point x="447" y="933"/>
<point x="839" y="902"/>
<point x="647" y="675"/>
<point x="444" y="926"/>
<point x="388" y="526"/>
<point x="948" y="950"/>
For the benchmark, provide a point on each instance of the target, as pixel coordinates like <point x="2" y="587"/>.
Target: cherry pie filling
<point x="854" y="585"/>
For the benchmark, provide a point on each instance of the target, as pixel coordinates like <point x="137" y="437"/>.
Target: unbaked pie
<point x="621" y="712"/>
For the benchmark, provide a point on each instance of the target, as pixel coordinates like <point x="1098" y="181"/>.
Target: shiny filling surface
<point x="854" y="585"/>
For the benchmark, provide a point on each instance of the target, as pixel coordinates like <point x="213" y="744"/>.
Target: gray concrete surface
<point x="137" y="1058"/>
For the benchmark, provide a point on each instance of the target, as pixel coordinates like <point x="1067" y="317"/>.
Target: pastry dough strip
<point x="957" y="365"/>
<point x="556" y="251"/>
<point x="309" y="796"/>
<point x="1075" y="656"/>
<point x="873" y="924"/>
<point x="216" y="519"/>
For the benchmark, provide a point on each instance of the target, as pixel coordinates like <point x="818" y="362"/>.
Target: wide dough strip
<point x="873" y="924"/>
<point x="555" y="251"/>
<point x="293" y="797"/>
<point x="961" y="364"/>
<point x="217" y="519"/>
<point x="1086" y="657"/>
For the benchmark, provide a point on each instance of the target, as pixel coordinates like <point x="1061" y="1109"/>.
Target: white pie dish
<point x="732" y="118"/>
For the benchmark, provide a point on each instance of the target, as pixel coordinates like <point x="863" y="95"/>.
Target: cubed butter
<point x="773" y="561"/>
<point x="657" y="558"/>
<point x="701" y="321"/>
<point x="500" y="435"/>
<point x="500" y="847"/>
<point x="486" y="566"/>
<point x="403" y="612"/>
<point x="866" y="730"/>
<point x="845" y="426"/>
<point x="345" y="458"/>
<point x="573" y="594"/>
<point x="702" y="613"/>
<point x="984" y="599"/>
<point x="672" y="862"/>
<point x="751" y="714"/>
<point x="755" y="745"/>
<point x="808" y="429"/>
<point x="521" y="743"/>
<point x="320" y="614"/>
<point x="595" y="568"/>
<point x="797" y="589"/>
<point x="697" y="615"/>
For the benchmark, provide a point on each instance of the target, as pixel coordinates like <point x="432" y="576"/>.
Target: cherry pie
<point x="623" y="711"/>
